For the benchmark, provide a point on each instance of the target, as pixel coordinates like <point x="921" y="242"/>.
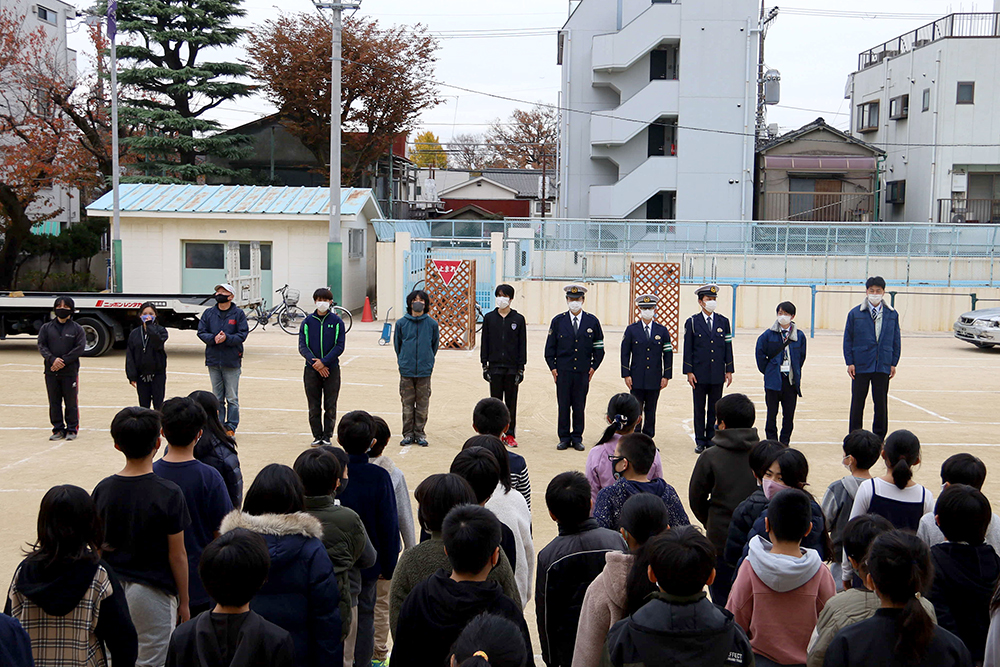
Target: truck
<point x="106" y="318"/>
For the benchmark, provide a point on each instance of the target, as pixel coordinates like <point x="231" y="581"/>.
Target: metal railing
<point x="959" y="211"/>
<point x="819" y="206"/>
<point x="980" y="24"/>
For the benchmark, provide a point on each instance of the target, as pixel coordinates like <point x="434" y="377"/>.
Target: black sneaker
<point x="563" y="444"/>
<point x="406" y="442"/>
<point x="317" y="442"/>
<point x="58" y="435"/>
<point x="326" y="442"/>
<point x="699" y="447"/>
<point x="578" y="446"/>
<point x="422" y="441"/>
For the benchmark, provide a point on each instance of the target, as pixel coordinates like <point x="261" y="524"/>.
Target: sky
<point x="509" y="49"/>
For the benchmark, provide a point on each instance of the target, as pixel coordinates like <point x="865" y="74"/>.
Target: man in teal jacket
<point x="416" y="344"/>
<point x="321" y="342"/>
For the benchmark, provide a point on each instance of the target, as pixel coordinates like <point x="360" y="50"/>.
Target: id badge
<point x="786" y="367"/>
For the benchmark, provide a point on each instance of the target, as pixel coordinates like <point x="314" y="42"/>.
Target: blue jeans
<point x="226" y="387"/>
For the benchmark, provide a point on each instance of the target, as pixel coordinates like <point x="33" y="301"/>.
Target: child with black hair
<point x="145" y="358"/>
<point x="624" y="416"/>
<point x="321" y="342"/>
<point x="182" y="421"/>
<point x="436" y="496"/>
<point x="781" y="587"/>
<point x="217" y="448"/>
<point x="68" y="600"/>
<point x="233" y="568"/>
<point x="503" y="351"/>
<point x="489" y="641"/>
<point x="344" y="533"/>
<point x="492" y="417"/>
<point x="145" y="517"/>
<point x="857" y="603"/>
<point x="568" y="564"/>
<point x="901" y="632"/>
<point x="300" y="594"/>
<point x="416" y="341"/>
<point x="61" y="342"/>
<point x="631" y="463"/>
<point x="966" y="569"/>
<point x="780" y="354"/>
<point x="371" y="495"/>
<point x="679" y="625"/>
<point x="438" y="609"/>
<point x="479" y="467"/>
<point x="861" y="451"/>
<point x="746" y="513"/>
<point x="963" y="468"/>
<point x="622" y="586"/>
<point x="722" y="479"/>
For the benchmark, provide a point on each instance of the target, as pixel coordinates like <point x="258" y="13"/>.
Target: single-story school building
<point x="176" y="238"/>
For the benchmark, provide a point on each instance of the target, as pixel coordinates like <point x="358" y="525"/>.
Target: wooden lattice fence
<point x="664" y="280"/>
<point x="453" y="302"/>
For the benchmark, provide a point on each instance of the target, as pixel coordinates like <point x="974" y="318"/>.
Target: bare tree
<point x="527" y="140"/>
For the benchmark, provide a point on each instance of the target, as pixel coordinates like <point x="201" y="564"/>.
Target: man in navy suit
<point x="708" y="362"/>
<point x="871" y="352"/>
<point x="573" y="350"/>
<point x="647" y="359"/>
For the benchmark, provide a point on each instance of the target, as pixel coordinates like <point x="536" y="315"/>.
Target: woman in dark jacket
<point x="146" y="360"/>
<point x="217" y="448"/>
<point x="301" y="593"/>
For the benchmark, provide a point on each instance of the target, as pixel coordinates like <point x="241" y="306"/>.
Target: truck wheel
<point x="99" y="338"/>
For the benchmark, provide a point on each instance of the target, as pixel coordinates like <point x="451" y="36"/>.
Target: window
<point x="926" y="104"/>
<point x="663" y="138"/>
<point x="966" y="92"/>
<point x="868" y="117"/>
<point x="355" y="243"/>
<point x="899" y="107"/>
<point x="538" y="207"/>
<point x="47" y="15"/>
<point x="204" y="256"/>
<point x="895" y="192"/>
<point x="265" y="257"/>
<point x="661" y="206"/>
<point x="663" y="63"/>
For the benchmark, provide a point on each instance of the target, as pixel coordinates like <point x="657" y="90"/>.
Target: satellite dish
<point x="958" y="219"/>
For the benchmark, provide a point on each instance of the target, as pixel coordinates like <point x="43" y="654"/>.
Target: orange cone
<point x="366" y="314"/>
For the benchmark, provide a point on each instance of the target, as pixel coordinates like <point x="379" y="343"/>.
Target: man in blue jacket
<point x="223" y="328"/>
<point x="871" y="352"/>
<point x="416" y="343"/>
<point x="781" y="351"/>
<point x="321" y="342"/>
<point x="647" y="360"/>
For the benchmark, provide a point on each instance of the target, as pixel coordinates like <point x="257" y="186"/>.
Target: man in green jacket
<point x="416" y="344"/>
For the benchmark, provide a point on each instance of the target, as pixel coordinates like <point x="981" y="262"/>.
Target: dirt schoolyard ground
<point x="945" y="391"/>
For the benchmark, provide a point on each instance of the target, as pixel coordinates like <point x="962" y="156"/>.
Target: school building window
<point x="926" y="100"/>
<point x="48" y="15"/>
<point x="204" y="256"/>
<point x="355" y="243"/>
<point x="966" y="92"/>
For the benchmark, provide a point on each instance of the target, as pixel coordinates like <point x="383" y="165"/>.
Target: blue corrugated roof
<point x="238" y="199"/>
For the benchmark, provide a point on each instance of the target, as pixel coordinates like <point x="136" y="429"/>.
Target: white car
<point x="979" y="327"/>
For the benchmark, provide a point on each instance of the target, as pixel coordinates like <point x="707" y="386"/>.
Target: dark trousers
<point x="647" y="399"/>
<point x="151" y="393"/>
<point x="504" y="387"/>
<point x="704" y="416"/>
<point x="322" y="392"/>
<point x="880" y="396"/>
<point x="364" y="645"/>
<point x="63" y="389"/>
<point x="723" y="582"/>
<point x="571" y="393"/>
<point x="787" y="398"/>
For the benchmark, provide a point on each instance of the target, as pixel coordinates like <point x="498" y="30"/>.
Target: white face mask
<point x="646" y="314"/>
<point x="784" y="320"/>
<point x="322" y="306"/>
<point x="502" y="302"/>
<point x="875" y="299"/>
<point x="709" y="305"/>
<point x="575" y="306"/>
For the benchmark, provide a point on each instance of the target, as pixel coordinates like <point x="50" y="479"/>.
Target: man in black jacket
<point x="61" y="342"/>
<point x="503" y="349"/>
<point x="438" y="609"/>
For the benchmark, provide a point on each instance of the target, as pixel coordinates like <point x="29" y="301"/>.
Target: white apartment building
<point x="658" y="105"/>
<point x="931" y="100"/>
<point x="53" y="17"/>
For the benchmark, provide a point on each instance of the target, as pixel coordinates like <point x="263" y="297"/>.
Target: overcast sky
<point x="813" y="50"/>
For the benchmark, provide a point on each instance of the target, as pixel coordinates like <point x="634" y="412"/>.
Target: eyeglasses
<point x="615" y="459"/>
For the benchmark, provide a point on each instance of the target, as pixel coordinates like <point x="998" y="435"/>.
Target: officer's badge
<point x="656" y="338"/>
<point x="718" y="330"/>
<point x="590" y="331"/>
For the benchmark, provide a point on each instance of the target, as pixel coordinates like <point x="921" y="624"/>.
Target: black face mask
<point x="343" y="486"/>
<point x="63" y="313"/>
<point x="222" y="298"/>
<point x="417" y="307"/>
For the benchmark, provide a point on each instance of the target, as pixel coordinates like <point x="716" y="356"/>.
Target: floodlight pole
<point x="334" y="254"/>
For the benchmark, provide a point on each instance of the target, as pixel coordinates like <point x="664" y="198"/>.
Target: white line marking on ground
<point x="28" y="458"/>
<point x="914" y="405"/>
<point x="88" y="369"/>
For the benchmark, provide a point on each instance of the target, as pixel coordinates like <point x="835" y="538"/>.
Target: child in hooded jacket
<point x="624" y="417"/>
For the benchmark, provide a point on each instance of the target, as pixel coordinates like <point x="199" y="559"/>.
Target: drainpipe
<point x="878" y="188"/>
<point x="750" y="75"/>
<point x="935" y="85"/>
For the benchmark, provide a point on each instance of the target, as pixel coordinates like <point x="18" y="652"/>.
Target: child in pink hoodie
<point x="624" y="415"/>
<point x="781" y="587"/>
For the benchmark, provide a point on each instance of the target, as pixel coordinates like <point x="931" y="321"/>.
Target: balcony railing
<point x="960" y="211"/>
<point x="819" y="206"/>
<point x="983" y="24"/>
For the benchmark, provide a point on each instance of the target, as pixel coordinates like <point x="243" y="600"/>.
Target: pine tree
<point x="166" y="87"/>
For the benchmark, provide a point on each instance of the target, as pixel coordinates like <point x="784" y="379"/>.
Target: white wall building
<point x="931" y="99"/>
<point x="650" y="70"/>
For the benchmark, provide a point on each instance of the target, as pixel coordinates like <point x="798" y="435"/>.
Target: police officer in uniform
<point x="708" y="362"/>
<point x="647" y="359"/>
<point x="574" y="349"/>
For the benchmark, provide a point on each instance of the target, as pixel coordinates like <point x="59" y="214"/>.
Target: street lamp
<point x="334" y="252"/>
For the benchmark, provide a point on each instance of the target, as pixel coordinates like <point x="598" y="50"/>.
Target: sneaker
<point x="71" y="435"/>
<point x="699" y="447"/>
<point x="510" y="441"/>
<point x="231" y="433"/>
<point x="406" y="442"/>
<point x="316" y="443"/>
<point x="58" y="435"/>
<point x="563" y="445"/>
<point x="422" y="441"/>
<point x="578" y="446"/>
<point x="324" y="441"/>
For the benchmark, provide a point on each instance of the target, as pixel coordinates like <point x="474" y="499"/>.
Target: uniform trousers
<point x="571" y="393"/>
<point x="151" y="393"/>
<point x="647" y="399"/>
<point x="880" y="396"/>
<point x="704" y="415"/>
<point x="503" y="385"/>
<point x="321" y="396"/>
<point x="63" y="389"/>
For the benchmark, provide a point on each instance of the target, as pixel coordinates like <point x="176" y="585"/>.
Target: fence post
<point x="892" y="300"/>
<point x="951" y="253"/>
<point x="812" y="313"/>
<point x="403" y="262"/>
<point x="974" y="300"/>
<point x="733" y="327"/>
<point x="499" y="263"/>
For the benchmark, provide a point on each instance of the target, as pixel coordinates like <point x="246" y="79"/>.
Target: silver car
<point x="979" y="327"/>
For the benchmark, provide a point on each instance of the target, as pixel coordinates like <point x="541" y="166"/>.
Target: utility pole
<point x="766" y="17"/>
<point x="334" y="246"/>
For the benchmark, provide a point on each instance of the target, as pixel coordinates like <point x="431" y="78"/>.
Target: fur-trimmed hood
<point x="794" y="335"/>
<point x="276" y="525"/>
<point x="864" y="305"/>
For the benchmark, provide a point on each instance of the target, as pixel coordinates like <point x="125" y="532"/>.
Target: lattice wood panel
<point x="453" y="305"/>
<point x="664" y="280"/>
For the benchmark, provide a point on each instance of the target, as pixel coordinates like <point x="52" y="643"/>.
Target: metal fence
<point x="415" y="263"/>
<point x="980" y="24"/>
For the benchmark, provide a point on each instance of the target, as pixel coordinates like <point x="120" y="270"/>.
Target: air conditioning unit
<point x="958" y="219"/>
